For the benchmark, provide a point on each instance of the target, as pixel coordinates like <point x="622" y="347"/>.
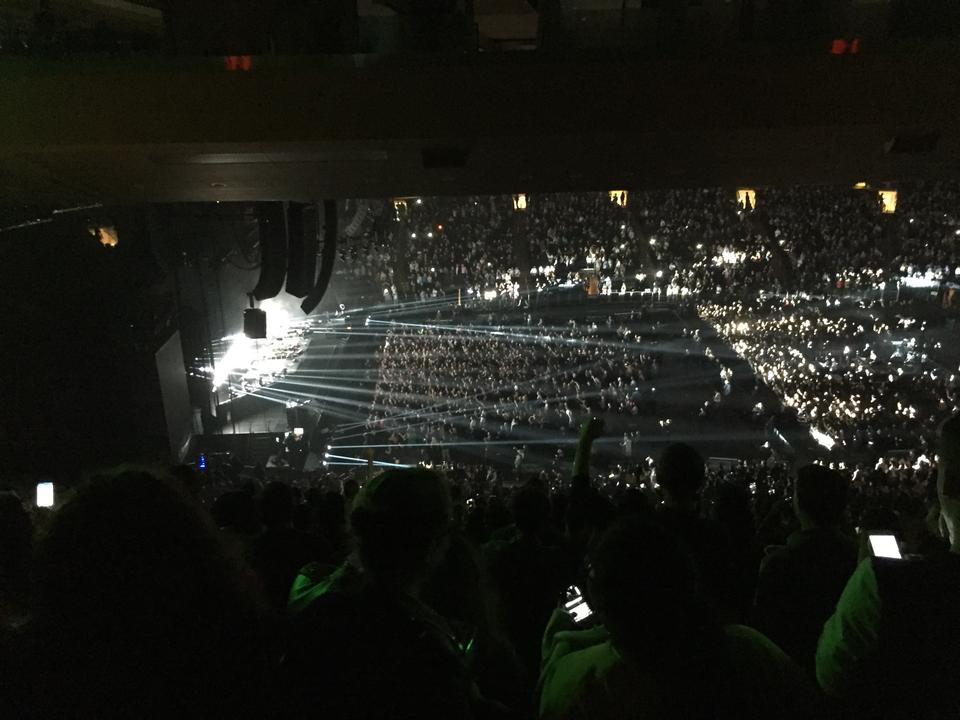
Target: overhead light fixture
<point x="860" y="186"/>
<point x="888" y="201"/>
<point x="106" y="234"/>
<point x="747" y="198"/>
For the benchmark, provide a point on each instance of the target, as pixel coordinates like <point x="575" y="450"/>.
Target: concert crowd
<point x="812" y="239"/>
<point x="813" y="579"/>
<point x="672" y="589"/>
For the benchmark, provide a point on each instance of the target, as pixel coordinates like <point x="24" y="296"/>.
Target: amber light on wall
<point x="888" y="200"/>
<point x="106" y="234"/>
<point x="619" y="197"/>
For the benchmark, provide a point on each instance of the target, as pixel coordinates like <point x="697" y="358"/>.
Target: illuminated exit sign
<point x="843" y="46"/>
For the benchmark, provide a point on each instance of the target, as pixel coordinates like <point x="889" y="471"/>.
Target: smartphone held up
<point x="575" y="604"/>
<point x="885" y="546"/>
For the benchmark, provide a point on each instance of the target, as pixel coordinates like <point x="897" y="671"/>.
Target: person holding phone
<point x="656" y="649"/>
<point x="889" y="650"/>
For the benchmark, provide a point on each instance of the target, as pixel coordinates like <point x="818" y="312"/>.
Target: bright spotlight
<point x="280" y="317"/>
<point x="239" y="356"/>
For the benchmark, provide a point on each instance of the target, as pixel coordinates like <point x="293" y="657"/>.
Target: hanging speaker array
<point x="289" y="242"/>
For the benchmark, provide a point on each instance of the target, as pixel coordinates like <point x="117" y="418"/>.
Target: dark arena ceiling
<point x="166" y="129"/>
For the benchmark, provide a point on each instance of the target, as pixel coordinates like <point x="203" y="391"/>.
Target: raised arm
<point x="589" y="431"/>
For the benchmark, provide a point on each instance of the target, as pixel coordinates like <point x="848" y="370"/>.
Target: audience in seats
<point x="445" y="597"/>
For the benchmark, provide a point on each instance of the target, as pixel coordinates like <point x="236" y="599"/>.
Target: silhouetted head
<point x="820" y="496"/>
<point x="645" y="587"/>
<point x="236" y="510"/>
<point x="531" y="510"/>
<point x="681" y="475"/>
<point x="276" y="504"/>
<point x="139" y="603"/>
<point x="400" y="519"/>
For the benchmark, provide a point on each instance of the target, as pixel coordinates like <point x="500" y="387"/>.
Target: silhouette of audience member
<point x="351" y="488"/>
<point x="460" y="590"/>
<point x="280" y="551"/>
<point x="235" y="512"/>
<point x="800" y="583"/>
<point x="16" y="549"/>
<point x="331" y="510"/>
<point x="140" y="610"/>
<point x="659" y="652"/>
<point x="529" y="572"/>
<point x="732" y="510"/>
<point x="890" y="648"/>
<point x="681" y="475"/>
<point x="363" y="644"/>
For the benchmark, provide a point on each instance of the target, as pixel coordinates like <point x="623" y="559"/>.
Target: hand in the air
<point x="592" y="428"/>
